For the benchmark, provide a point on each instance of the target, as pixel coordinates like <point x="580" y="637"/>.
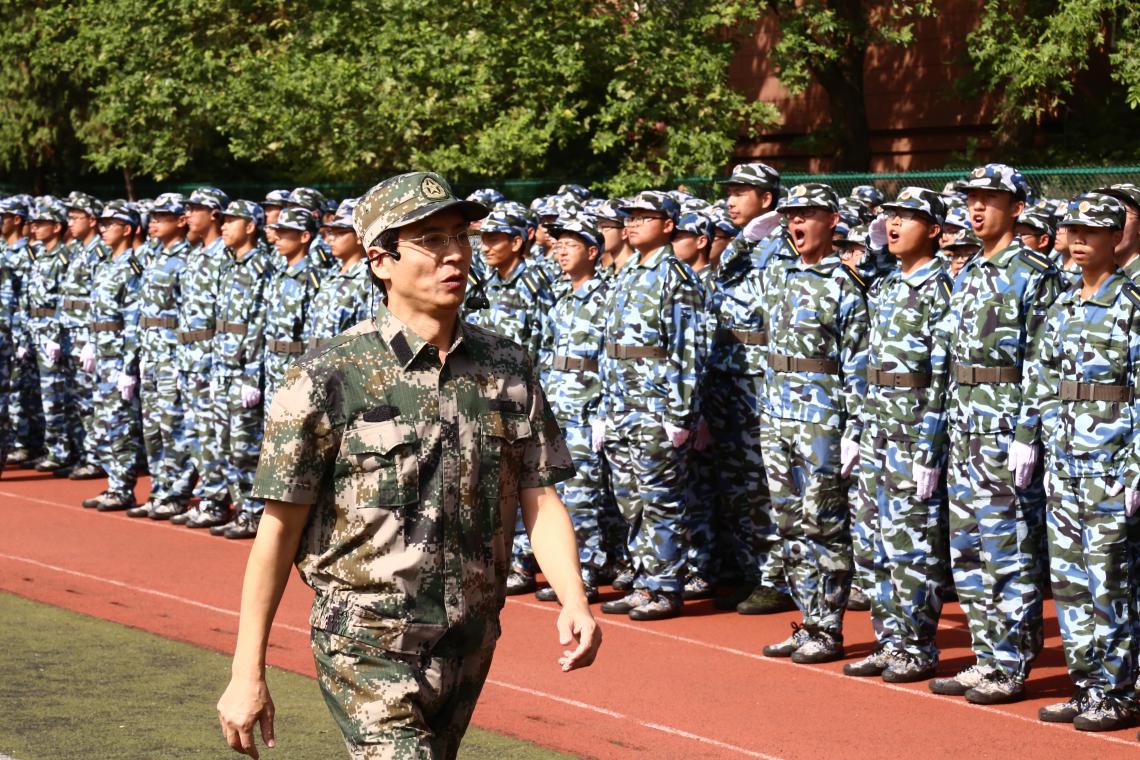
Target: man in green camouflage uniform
<point x="1080" y="401"/>
<point x="901" y="559"/>
<point x="996" y="519"/>
<point x="412" y="448"/>
<point x="816" y="313"/>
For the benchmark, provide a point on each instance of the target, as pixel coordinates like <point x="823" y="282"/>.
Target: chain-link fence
<point x="1049" y="182"/>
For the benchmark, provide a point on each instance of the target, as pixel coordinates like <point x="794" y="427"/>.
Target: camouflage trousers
<point x="199" y="406"/>
<point x="995" y="543"/>
<point x="164" y="432"/>
<point x="394" y="706"/>
<point x="731" y="408"/>
<point x="25" y="409"/>
<point x="7" y="357"/>
<point x="812" y="516"/>
<point x="237" y="439"/>
<point x="117" y="427"/>
<point x="61" y="424"/>
<point x="1089" y="568"/>
<point x="704" y="516"/>
<point x="276" y="365"/>
<point x="649" y="486"/>
<point x="902" y="559"/>
<point x="586" y="497"/>
<point x="83" y="397"/>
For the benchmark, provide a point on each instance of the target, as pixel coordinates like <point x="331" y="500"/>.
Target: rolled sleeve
<point x="545" y="458"/>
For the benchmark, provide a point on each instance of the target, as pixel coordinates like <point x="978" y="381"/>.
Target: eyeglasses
<point x="637" y="221"/>
<point x="903" y="214"/>
<point x="568" y="245"/>
<point x="439" y="243"/>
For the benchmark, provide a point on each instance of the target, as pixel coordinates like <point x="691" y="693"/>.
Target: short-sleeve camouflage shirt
<point x="413" y="469"/>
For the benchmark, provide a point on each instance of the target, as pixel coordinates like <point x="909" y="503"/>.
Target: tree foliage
<point x="343" y="90"/>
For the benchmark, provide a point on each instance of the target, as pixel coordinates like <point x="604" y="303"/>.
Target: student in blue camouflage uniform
<point x="1080" y="401"/>
<point x="345" y="296"/>
<point x="51" y="259"/>
<point x="655" y="349"/>
<point x="576" y="327"/>
<point x="996" y="519"/>
<point x="205" y="265"/>
<point x="816" y="315"/>
<point x="1128" y="250"/>
<point x="113" y="361"/>
<point x="86" y="254"/>
<point x="732" y="397"/>
<point x="275" y="200"/>
<point x="243" y="306"/>
<point x="901" y="558"/>
<point x="164" y="433"/>
<point x="25" y="411"/>
<point x="313" y="201"/>
<point x="959" y="250"/>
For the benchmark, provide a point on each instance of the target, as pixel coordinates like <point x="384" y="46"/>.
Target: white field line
<point x="305" y="631"/>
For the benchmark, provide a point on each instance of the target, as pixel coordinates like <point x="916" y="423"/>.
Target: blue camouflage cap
<point x="294" y="218"/>
<point x="210" y="197"/>
<point x="306" y="197"/>
<point x="248" y="210"/>
<point x="278" y="198"/>
<point x="926" y="202"/>
<point x="722" y="221"/>
<point x="121" y="211"/>
<point x="1038" y="219"/>
<point x="608" y="211"/>
<point x="84" y="202"/>
<point x="1001" y="177"/>
<point x="487" y="196"/>
<point x="653" y="200"/>
<point x="505" y="219"/>
<point x="343" y="217"/>
<point x="693" y="203"/>
<point x="49" y="210"/>
<point x="868" y="196"/>
<point x="1095" y="210"/>
<point x="757" y="174"/>
<point x="963" y="238"/>
<point x="582" y="225"/>
<point x="169" y="203"/>
<point x="14" y="205"/>
<point x="578" y="191"/>
<point x="957" y="215"/>
<point x="696" y="222"/>
<point x="851" y="235"/>
<point x="1123" y="191"/>
<point x="810" y="195"/>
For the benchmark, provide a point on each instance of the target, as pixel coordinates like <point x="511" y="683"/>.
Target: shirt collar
<point x="654" y="258"/>
<point x="1109" y="290"/>
<point x="588" y="287"/>
<point x="516" y="273"/>
<point x="916" y="278"/>
<point x="403" y="342"/>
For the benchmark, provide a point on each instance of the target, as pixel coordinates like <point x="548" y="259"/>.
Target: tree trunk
<point x="130" y="185"/>
<point x="842" y="79"/>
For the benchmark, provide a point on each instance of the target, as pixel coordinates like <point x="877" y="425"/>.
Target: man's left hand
<point x="577" y="625"/>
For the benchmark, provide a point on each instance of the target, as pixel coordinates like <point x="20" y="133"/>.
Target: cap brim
<point x="750" y="181"/>
<point x="902" y="207"/>
<point x="1120" y="195"/>
<point x="471" y="211"/>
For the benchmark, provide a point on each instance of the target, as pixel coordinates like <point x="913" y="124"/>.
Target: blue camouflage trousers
<point x="587" y="499"/>
<point x="649" y="486"/>
<point x="82" y="392"/>
<point x="117" y="427"/>
<point x="812" y="516"/>
<point x="995" y="551"/>
<point x="200" y="425"/>
<point x="164" y="432"/>
<point x="61" y="424"/>
<point x="1089" y="568"/>
<point x="236" y="436"/>
<point x="902" y="559"/>
<point x="25" y="410"/>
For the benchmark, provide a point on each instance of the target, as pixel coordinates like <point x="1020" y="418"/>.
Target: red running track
<point x="693" y="687"/>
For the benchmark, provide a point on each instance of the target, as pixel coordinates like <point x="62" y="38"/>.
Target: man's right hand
<point x="245" y="703"/>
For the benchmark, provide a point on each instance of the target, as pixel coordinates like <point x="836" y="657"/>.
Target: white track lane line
<point x="305" y="631"/>
<point x="787" y="663"/>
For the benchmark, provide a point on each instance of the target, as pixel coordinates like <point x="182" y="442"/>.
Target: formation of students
<point x="783" y="399"/>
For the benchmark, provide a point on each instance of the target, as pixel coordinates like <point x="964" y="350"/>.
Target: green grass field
<point x="79" y="687"/>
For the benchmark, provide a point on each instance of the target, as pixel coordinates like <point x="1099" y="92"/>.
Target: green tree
<point x="826" y="41"/>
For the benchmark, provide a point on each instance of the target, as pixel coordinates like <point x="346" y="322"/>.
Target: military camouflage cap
<point x="487" y="196"/>
<point x="49" y="210"/>
<point x="696" y="222"/>
<point x="559" y="205"/>
<point x="581" y="225"/>
<point x="850" y="235"/>
<point x="121" y="211"/>
<point x="926" y="202"/>
<point x="210" y="197"/>
<point x="694" y="204"/>
<point x="502" y="218"/>
<point x="810" y="195"/>
<point x="756" y="174"/>
<point x="169" y="203"/>
<point x="14" y="205"/>
<point x="1094" y="210"/>
<point x="996" y="177"/>
<point x="80" y="201"/>
<point x="528" y="217"/>
<point x="248" y="210"/>
<point x="653" y="200"/>
<point x="852" y="208"/>
<point x="956" y="214"/>
<point x="722" y="221"/>
<point x="1124" y="191"/>
<point x="1040" y="220"/>
<point x="294" y="218"/>
<point x="343" y="218"/>
<point x="329" y="206"/>
<point x="963" y="238"/>
<point x="608" y="211"/>
<point x="579" y="192"/>
<point x="867" y="195"/>
<point x="278" y="198"/>
<point x="407" y="198"/>
<point x="306" y="197"/>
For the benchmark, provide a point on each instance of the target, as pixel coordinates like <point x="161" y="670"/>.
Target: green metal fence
<point x="1051" y="182"/>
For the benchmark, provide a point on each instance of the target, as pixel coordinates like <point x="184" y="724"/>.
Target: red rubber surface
<point x="694" y="687"/>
